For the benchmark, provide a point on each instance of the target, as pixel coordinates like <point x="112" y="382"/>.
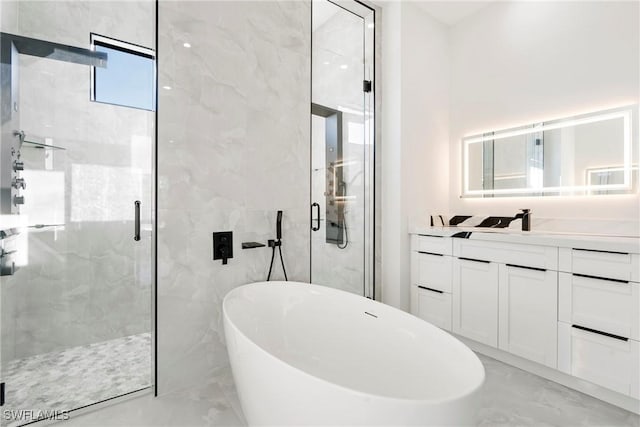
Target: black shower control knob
<point x="18" y="200"/>
<point x="18" y="166"/>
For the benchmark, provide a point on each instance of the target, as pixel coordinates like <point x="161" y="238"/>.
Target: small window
<point x="129" y="77"/>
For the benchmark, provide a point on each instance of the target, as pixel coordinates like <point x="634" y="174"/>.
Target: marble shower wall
<point x="86" y="281"/>
<point x="233" y="149"/>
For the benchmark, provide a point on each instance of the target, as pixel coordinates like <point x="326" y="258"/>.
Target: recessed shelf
<point x="43" y="227"/>
<point x="41" y="146"/>
<point x="31" y="141"/>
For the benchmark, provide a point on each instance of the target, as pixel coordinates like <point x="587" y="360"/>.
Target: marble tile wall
<point x="8" y="16"/>
<point x="233" y="149"/>
<point x="87" y="281"/>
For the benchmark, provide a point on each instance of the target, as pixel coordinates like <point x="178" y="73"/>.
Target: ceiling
<point x="451" y="12"/>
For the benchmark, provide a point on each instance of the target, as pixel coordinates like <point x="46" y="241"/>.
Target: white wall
<point x="514" y="63"/>
<point x="415" y="135"/>
<point x="509" y="64"/>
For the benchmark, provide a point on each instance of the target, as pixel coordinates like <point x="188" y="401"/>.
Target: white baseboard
<point x="625" y="402"/>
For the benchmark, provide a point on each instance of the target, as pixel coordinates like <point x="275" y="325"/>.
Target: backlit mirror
<point x="590" y="154"/>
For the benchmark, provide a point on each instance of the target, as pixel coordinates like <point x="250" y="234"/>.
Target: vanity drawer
<point x="610" y="265"/>
<point x="605" y="305"/>
<point x="609" y="362"/>
<point x="432" y="306"/>
<point x="431" y="270"/>
<point x="432" y="244"/>
<point x="545" y="257"/>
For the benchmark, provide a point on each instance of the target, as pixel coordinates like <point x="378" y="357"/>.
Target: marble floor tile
<point x="210" y="405"/>
<point x="511" y="397"/>
<point x="78" y="376"/>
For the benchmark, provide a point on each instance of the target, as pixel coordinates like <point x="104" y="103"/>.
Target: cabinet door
<point x="431" y="270"/>
<point x="610" y="362"/>
<point x="610" y="306"/>
<point x="432" y="306"/>
<point x="475" y="300"/>
<point x="610" y="265"/>
<point x="529" y="313"/>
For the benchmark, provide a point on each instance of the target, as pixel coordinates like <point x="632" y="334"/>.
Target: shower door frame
<point x="369" y="12"/>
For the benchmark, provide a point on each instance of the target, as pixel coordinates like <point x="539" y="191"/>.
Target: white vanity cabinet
<point x="431" y="268"/>
<point x="570" y="309"/>
<point x="475" y="300"/>
<point x="607" y="361"/>
<point x="528" y="313"/>
<point x="597" y="263"/>
<point x="515" y="307"/>
<point x="599" y="318"/>
<point x="608" y="306"/>
<point x="432" y="305"/>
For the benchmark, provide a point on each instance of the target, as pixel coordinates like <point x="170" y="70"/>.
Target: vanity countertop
<point x="542" y="238"/>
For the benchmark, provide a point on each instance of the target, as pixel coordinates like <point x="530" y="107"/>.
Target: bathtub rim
<point x="411" y="401"/>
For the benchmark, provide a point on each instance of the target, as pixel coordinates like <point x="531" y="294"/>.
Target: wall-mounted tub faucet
<point x="525" y="215"/>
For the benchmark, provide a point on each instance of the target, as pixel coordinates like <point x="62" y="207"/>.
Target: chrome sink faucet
<point x="525" y="215"/>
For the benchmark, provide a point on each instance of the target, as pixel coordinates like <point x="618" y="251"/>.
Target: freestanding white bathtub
<point x="310" y="355"/>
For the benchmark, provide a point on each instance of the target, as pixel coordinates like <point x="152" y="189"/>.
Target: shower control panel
<point x="17" y="182"/>
<point x="223" y="246"/>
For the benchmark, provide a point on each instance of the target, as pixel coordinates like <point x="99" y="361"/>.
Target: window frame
<point x="126" y="47"/>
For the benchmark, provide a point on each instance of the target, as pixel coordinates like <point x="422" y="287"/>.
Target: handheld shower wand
<point x="279" y="226"/>
<point x="273" y="244"/>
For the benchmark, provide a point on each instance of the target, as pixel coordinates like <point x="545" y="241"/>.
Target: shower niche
<point x="336" y="188"/>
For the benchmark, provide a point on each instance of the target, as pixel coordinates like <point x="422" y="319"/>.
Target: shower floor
<point x="79" y="376"/>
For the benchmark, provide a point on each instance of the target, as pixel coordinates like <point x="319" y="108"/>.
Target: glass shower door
<point x="76" y="217"/>
<point x="342" y="146"/>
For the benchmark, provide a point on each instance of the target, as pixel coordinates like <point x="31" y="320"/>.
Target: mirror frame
<point x="627" y="113"/>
